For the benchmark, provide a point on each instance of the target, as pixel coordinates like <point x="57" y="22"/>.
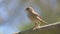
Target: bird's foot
<point x="37" y="27"/>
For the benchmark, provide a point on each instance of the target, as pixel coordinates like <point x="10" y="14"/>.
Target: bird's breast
<point x="32" y="17"/>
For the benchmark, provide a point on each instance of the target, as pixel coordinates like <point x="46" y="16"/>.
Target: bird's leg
<point x="37" y="26"/>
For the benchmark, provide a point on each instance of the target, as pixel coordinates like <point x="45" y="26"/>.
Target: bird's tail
<point x="44" y="22"/>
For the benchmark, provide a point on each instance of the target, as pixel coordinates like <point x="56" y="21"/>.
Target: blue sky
<point x="7" y="26"/>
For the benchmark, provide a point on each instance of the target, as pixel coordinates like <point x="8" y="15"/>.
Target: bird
<point x="34" y="17"/>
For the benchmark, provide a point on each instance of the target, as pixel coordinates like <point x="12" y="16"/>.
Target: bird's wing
<point x="41" y="20"/>
<point x="35" y="13"/>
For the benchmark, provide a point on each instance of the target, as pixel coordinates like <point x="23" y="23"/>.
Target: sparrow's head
<point x="29" y="9"/>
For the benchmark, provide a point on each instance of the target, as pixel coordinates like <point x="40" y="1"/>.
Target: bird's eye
<point x="27" y="8"/>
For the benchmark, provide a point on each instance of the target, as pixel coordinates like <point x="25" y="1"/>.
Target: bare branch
<point x="53" y="28"/>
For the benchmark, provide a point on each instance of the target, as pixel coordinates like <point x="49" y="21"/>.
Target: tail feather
<point x="44" y="22"/>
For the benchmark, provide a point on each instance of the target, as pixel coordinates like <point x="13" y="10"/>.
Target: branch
<point x="53" y="28"/>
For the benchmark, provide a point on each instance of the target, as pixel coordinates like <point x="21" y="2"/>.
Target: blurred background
<point x="13" y="17"/>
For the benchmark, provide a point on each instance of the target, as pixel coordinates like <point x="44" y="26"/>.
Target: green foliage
<point x="47" y="13"/>
<point x="26" y="27"/>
